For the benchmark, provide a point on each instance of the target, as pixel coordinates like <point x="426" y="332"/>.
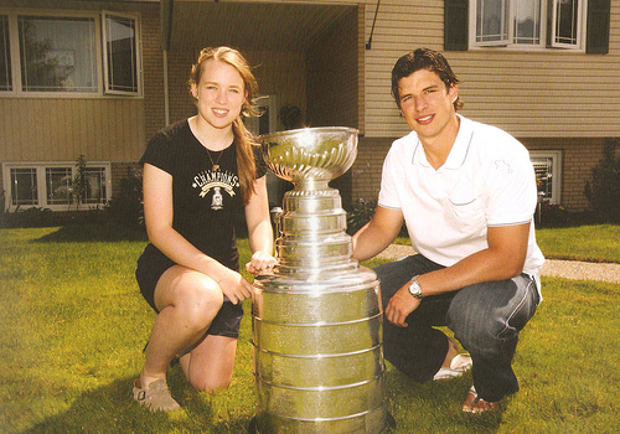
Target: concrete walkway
<point x="553" y="267"/>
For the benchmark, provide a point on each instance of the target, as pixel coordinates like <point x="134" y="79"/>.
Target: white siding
<point x="33" y="129"/>
<point x="530" y="94"/>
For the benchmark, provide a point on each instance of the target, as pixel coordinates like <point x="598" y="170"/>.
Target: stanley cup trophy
<point x="318" y="360"/>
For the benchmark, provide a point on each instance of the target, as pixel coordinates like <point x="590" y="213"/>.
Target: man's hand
<point x="400" y="306"/>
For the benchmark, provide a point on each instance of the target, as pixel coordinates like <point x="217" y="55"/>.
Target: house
<point x="94" y="79"/>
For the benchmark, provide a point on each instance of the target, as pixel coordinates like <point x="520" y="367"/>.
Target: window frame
<point x="474" y="26"/>
<point x="98" y="44"/>
<point x="548" y="15"/>
<point x="9" y="70"/>
<point x="104" y="54"/>
<point x="556" y="172"/>
<point x="41" y="184"/>
<point x="18" y="60"/>
<point x="581" y="27"/>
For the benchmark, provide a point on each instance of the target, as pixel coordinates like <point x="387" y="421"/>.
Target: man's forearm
<point x="368" y="242"/>
<point x="503" y="259"/>
<point x="377" y="234"/>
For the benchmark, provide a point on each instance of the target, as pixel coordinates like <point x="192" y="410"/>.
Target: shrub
<point x="34" y="217"/>
<point x="80" y="184"/>
<point x="361" y="212"/>
<point x="127" y="207"/>
<point x="603" y="190"/>
<point x="553" y="215"/>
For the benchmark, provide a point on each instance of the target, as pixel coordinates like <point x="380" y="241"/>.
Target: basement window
<point x="548" y="168"/>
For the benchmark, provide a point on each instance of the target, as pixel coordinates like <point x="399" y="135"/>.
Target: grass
<point x="73" y="325"/>
<point x="594" y="243"/>
<point x="590" y="243"/>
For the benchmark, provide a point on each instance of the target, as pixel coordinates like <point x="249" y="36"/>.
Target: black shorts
<point x="149" y="270"/>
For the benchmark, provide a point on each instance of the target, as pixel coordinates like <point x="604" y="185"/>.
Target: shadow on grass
<point x="107" y="232"/>
<point x="110" y="409"/>
<point x="435" y="407"/>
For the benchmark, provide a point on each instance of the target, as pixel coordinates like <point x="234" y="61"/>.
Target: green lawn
<point x="73" y="326"/>
<point x="595" y="243"/>
<point x="591" y="243"/>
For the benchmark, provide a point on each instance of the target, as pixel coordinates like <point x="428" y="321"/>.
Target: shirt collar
<point x="459" y="150"/>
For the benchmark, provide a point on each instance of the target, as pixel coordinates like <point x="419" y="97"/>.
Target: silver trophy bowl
<point x="317" y="320"/>
<point x="319" y="154"/>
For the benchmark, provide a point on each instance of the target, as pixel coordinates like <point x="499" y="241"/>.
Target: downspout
<point x="166" y="89"/>
<point x="166" y="30"/>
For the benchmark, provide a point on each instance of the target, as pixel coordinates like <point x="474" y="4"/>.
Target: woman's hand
<point x="234" y="286"/>
<point x="261" y="263"/>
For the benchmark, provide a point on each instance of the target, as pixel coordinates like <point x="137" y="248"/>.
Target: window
<point x="54" y="186"/>
<point x="95" y="185"/>
<point x="565" y="19"/>
<point x="5" y="55"/>
<point x="528" y="23"/>
<point x="24" y="187"/>
<point x="57" y="54"/>
<point x="547" y="165"/>
<point x="121" y="57"/>
<point x="58" y="185"/>
<point x="61" y="54"/>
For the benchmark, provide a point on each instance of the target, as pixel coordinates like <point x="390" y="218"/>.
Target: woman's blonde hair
<point x="245" y="140"/>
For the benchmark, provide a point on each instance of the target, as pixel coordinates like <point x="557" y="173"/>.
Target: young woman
<point x="198" y="175"/>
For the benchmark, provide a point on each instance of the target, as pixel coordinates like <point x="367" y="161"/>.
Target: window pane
<point x="57" y="54"/>
<point x="6" y="81"/>
<point x="543" y="166"/>
<point x="566" y="22"/>
<point x="491" y="20"/>
<point x="527" y="22"/>
<point x="58" y="185"/>
<point x="95" y="185"/>
<point x="121" y="54"/>
<point x="24" y="186"/>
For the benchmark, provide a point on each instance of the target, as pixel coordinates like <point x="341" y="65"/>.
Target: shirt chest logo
<point x="219" y="182"/>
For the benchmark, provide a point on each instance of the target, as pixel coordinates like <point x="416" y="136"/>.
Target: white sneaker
<point x="458" y="365"/>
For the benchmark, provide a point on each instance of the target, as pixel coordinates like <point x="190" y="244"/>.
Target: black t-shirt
<point x="206" y="202"/>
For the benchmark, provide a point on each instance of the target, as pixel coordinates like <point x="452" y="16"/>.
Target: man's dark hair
<point x="424" y="58"/>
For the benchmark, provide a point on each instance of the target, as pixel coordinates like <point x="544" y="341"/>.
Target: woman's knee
<point x="210" y="384"/>
<point x="201" y="304"/>
<point x="196" y="298"/>
<point x="211" y="363"/>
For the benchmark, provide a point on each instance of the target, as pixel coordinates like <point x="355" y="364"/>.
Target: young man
<point x="467" y="193"/>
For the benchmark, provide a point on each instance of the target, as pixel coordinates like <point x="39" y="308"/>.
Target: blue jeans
<point x="486" y="319"/>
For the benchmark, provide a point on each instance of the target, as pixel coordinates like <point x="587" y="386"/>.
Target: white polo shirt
<point x="487" y="180"/>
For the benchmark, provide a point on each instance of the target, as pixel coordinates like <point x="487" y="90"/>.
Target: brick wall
<point x="579" y="156"/>
<point x="366" y="171"/>
<point x="153" y="72"/>
<point x="153" y="76"/>
<point x="119" y="171"/>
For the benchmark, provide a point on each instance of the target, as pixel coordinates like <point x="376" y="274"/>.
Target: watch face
<point x="414" y="288"/>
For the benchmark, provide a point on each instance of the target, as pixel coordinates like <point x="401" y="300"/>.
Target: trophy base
<point x="390" y="425"/>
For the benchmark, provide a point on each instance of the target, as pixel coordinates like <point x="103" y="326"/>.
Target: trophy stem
<point x="310" y="184"/>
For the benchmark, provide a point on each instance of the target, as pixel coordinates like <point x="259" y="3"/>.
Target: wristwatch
<point x="415" y="289"/>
